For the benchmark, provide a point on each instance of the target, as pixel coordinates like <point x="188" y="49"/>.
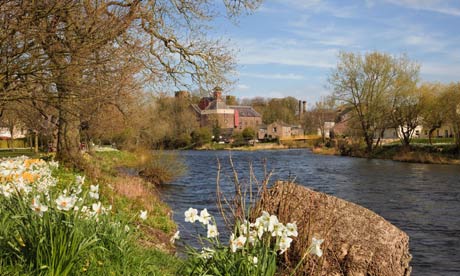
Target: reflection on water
<point x="423" y="200"/>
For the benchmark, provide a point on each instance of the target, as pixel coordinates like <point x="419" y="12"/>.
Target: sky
<point x="289" y="47"/>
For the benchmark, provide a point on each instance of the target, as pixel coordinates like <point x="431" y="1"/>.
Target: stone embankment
<point x="358" y="242"/>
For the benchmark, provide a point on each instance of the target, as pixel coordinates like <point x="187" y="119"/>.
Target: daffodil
<point x="315" y="248"/>
<point x="94" y="191"/>
<point x="237" y="243"/>
<point x="191" y="215"/>
<point x="175" y="237"/>
<point x="284" y="244"/>
<point x="143" y="215"/>
<point x="65" y="203"/>
<point x="291" y="229"/>
<point x="97" y="208"/>
<point x="37" y="206"/>
<point x="205" y="217"/>
<point x="212" y="231"/>
<point x="278" y="229"/>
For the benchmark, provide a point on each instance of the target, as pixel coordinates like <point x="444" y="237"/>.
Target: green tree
<point x="283" y="109"/>
<point x="433" y="114"/>
<point x="201" y="136"/>
<point x="366" y="83"/>
<point x="249" y="133"/>
<point x="451" y="100"/>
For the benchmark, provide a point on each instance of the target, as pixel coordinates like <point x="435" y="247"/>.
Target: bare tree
<point x="75" y="56"/>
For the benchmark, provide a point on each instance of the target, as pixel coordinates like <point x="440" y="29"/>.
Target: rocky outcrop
<point x="358" y="242"/>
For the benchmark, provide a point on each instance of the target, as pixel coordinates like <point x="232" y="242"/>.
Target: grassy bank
<point x="416" y="153"/>
<point x="83" y="227"/>
<point x="259" y="146"/>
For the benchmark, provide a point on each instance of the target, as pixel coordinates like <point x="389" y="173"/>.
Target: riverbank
<point x="258" y="146"/>
<point x="96" y="221"/>
<point x="427" y="154"/>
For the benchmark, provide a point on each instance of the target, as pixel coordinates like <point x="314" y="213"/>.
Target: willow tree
<point x="433" y="113"/>
<point x="451" y="101"/>
<point x="70" y="57"/>
<point x="368" y="84"/>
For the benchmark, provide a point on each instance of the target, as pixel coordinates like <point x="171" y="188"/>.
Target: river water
<point x="421" y="199"/>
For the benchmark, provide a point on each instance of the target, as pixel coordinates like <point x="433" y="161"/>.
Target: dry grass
<point x="325" y="151"/>
<point x="423" y="157"/>
<point x="134" y="188"/>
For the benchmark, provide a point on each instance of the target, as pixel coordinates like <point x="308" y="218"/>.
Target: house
<point x="214" y="112"/>
<point x="18" y="133"/>
<point x="278" y="130"/>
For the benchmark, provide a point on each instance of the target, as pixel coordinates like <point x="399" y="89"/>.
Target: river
<point x="421" y="199"/>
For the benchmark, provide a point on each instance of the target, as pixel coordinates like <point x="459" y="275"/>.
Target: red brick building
<point x="214" y="112"/>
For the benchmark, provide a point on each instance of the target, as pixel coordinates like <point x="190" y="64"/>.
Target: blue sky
<point x="289" y="47"/>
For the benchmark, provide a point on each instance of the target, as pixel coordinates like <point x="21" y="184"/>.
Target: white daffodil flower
<point x="315" y="248"/>
<point x="143" y="215"/>
<point x="255" y="260"/>
<point x="278" y="229"/>
<point x="291" y="230"/>
<point x="205" y="217"/>
<point x="272" y="221"/>
<point x="65" y="203"/>
<point x="175" y="237"/>
<point x="97" y="208"/>
<point x="237" y="243"/>
<point x="80" y="179"/>
<point x="284" y="243"/>
<point x="191" y="215"/>
<point x="94" y="191"/>
<point x="212" y="231"/>
<point x="37" y="206"/>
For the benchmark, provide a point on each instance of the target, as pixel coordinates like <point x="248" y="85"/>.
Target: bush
<point x="201" y="137"/>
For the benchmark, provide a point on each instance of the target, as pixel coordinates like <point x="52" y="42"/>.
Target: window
<point x="417" y="132"/>
<point x="274" y="129"/>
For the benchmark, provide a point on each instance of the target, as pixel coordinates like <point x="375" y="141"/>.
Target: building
<point x="278" y="130"/>
<point x="214" y="112"/>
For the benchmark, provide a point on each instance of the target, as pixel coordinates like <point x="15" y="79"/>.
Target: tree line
<point x="384" y="92"/>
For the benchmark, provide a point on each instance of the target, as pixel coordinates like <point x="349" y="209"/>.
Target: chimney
<point x="217" y="93"/>
<point x="304" y="106"/>
<point x="300" y="109"/>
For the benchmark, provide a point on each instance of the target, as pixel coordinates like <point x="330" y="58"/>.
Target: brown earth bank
<point x="357" y="242"/>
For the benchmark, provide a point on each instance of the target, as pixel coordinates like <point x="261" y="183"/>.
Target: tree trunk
<point x="68" y="138"/>
<point x="36" y="142"/>
<point x="430" y="135"/>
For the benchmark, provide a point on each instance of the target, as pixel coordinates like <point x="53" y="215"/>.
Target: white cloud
<point x="320" y="6"/>
<point x="242" y="87"/>
<point x="289" y="76"/>
<point x="440" y="71"/>
<point x="285" y="52"/>
<point x="438" y="6"/>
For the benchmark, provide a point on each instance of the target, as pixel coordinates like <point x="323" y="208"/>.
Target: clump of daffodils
<point x="255" y="245"/>
<point x="25" y="176"/>
<point x="32" y="180"/>
<point x="265" y="229"/>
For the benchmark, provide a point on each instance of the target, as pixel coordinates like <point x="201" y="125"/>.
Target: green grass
<point x="100" y="248"/>
<point x="20" y="152"/>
